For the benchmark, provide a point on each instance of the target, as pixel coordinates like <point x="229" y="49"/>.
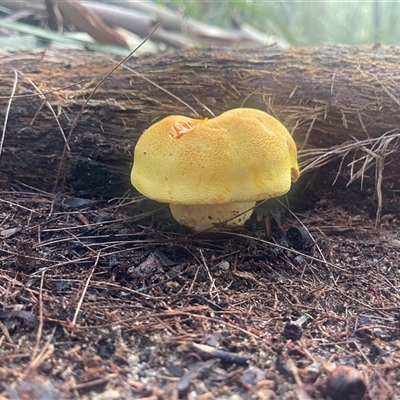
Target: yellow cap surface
<point x="242" y="155"/>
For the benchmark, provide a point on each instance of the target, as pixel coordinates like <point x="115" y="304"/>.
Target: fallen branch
<point x="339" y="102"/>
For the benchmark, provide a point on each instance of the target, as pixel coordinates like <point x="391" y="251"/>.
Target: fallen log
<point x="328" y="97"/>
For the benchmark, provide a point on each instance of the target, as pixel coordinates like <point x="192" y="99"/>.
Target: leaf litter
<point x="106" y="301"/>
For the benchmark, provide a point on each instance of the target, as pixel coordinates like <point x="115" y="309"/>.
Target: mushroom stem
<point x="207" y="216"/>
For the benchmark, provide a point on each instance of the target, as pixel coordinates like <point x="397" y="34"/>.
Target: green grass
<point x="304" y="22"/>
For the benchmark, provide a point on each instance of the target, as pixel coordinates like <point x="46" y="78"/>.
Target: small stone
<point x="224" y="265"/>
<point x="346" y="383"/>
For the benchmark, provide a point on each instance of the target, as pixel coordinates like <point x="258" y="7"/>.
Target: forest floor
<point x="101" y="300"/>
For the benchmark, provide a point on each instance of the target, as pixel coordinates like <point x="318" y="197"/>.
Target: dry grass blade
<point x="21" y="96"/>
<point x="313" y="158"/>
<point x="375" y="152"/>
<point x="45" y="353"/>
<point x="162" y="89"/>
<point x="76" y="120"/>
<point x="41" y="95"/>
<point x="73" y="323"/>
<point x="40" y="327"/>
<point x="3" y="135"/>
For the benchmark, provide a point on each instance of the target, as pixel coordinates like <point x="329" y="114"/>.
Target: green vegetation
<point x="304" y="22"/>
<point x="299" y="22"/>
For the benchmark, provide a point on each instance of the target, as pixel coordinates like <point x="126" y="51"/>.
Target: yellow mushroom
<point x="213" y="171"/>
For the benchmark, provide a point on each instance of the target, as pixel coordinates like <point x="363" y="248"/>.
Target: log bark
<point x="326" y="96"/>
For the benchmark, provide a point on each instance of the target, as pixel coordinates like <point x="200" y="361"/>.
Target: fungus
<point x="213" y="171"/>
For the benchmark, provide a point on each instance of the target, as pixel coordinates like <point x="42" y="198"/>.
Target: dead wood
<point x="329" y="97"/>
<point x="175" y="30"/>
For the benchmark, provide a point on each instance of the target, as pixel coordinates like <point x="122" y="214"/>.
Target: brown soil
<point x="113" y="300"/>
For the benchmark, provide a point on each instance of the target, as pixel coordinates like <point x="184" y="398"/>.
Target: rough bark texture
<point x="325" y="96"/>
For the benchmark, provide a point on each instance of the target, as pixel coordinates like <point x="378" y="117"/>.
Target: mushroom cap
<point x="242" y="155"/>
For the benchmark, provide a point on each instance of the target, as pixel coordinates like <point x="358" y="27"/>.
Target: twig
<point x="372" y="327"/>
<point x="5" y="333"/>
<point x="93" y="383"/>
<point x="301" y="392"/>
